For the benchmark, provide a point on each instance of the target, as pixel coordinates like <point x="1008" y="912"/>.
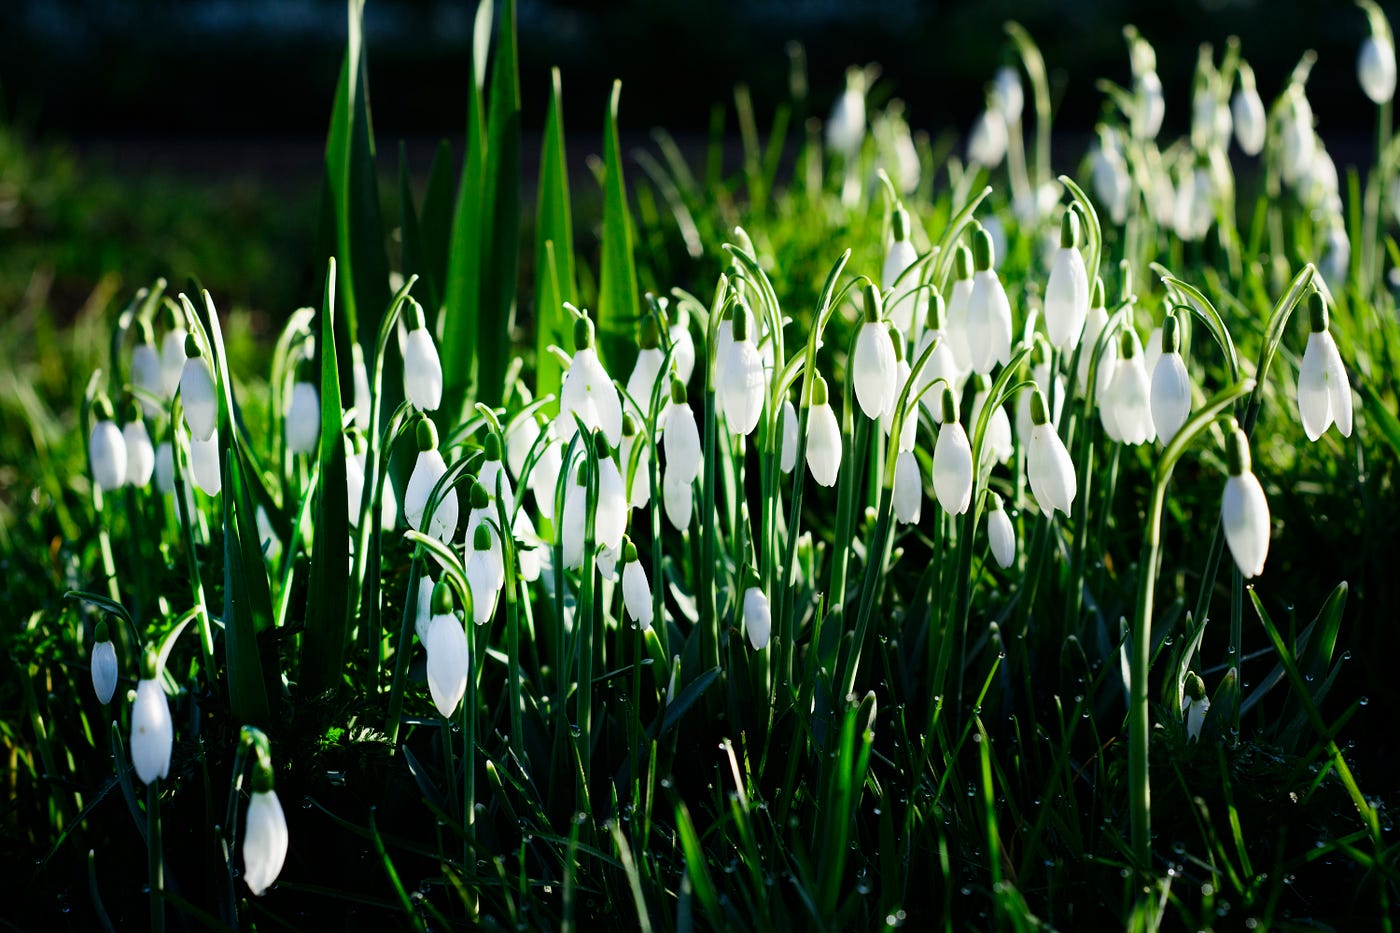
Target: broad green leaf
<point x="554" y="248"/>
<point x="435" y="228"/>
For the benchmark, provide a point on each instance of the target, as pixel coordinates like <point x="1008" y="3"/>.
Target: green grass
<point x="929" y="740"/>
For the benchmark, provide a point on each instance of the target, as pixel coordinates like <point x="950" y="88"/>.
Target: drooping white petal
<point x="952" y="468"/>
<point x="145" y="374"/>
<point x="423" y="609"/>
<point x="1250" y="120"/>
<point x="823" y="445"/>
<point x="264" y="841"/>
<point x="908" y="494"/>
<point x="104" y="671"/>
<point x="873" y="369"/>
<point x="901" y="256"/>
<point x="354" y="488"/>
<point x="107" y="451"/>
<point x="636" y="593"/>
<point x="1129" y="403"/>
<point x="645" y="373"/>
<point x="742" y="389"/>
<point x="447" y="662"/>
<point x="165" y="468"/>
<point x="988" y="322"/>
<point x="588" y="390"/>
<point x="1324" y="394"/>
<point x="140" y="455"/>
<point x="1050" y="470"/>
<point x="197" y="397"/>
<point x="152" y="732"/>
<point x="571" y="528"/>
<point x="428" y="469"/>
<point x="1040" y="374"/>
<point x="544" y="478"/>
<point x="681" y="442"/>
<point x="1112" y="182"/>
<point x="1338" y="388"/>
<point x="908" y="429"/>
<point x="303" y="418"/>
<point x="1006" y="89"/>
<point x="996" y="441"/>
<point x="1152" y="105"/>
<point x="682" y="352"/>
<point x="204" y="465"/>
<point x="422" y="371"/>
<point x="1171" y="396"/>
<point x="787" y="458"/>
<point x="486" y="576"/>
<point x="611" y="520"/>
<point x="758" y="619"/>
<point x="172" y="360"/>
<point x="676" y="498"/>
<point x="1196" y="717"/>
<point x="986" y="143"/>
<point x="941" y="365"/>
<point x="1375" y="69"/>
<point x="1002" y="537"/>
<point x="959" y="300"/>
<point x="1066" y="298"/>
<point x="1244" y="512"/>
<point x="845" y="127"/>
<point x="520" y="438"/>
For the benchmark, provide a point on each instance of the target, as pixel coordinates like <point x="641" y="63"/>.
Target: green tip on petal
<point x="1195" y="686"/>
<point x="100" y="632"/>
<point x="983" y="254"/>
<point x="481" y="538"/>
<point x="1039" y="413"/>
<point x="678" y="395"/>
<point x="740" y="323"/>
<point x="1096" y="298"/>
<point x="629" y="425"/>
<point x="131" y="411"/>
<point x="1171" y="334"/>
<point x="144" y="334"/>
<point x="629" y="550"/>
<point x="937" y="309"/>
<point x="415" y="316"/>
<point x="874" y="308"/>
<point x="650" y="337"/>
<point x="820" y="392"/>
<point x="996" y="503"/>
<point x="1317" y="312"/>
<point x="901" y="223"/>
<point x="192" y="350"/>
<point x="262" y="778"/>
<point x="1237" y="452"/>
<point x="493" y="446"/>
<point x="962" y="262"/>
<point x="897" y="338"/>
<point x="443" y="601"/>
<point x="102" y="408"/>
<point x="1127" y="344"/>
<point x="583" y="333"/>
<point x="950" y="407"/>
<point x="480" y="496"/>
<point x="426" y="433"/>
<point x="149" y="660"/>
<point x="1069" y="230"/>
<point x="601" y="445"/>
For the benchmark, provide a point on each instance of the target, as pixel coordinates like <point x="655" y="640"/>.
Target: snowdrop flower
<point x="106" y="448"/>
<point x="986" y="143"/>
<point x="264" y="832"/>
<point x="104" y="664"/>
<point x="588" y="391"/>
<point x="874" y="367"/>
<point x="1375" y="63"/>
<point x="172" y="353"/>
<point x="942" y="365"/>
<point x="958" y="300"/>
<point x="908" y="493"/>
<point x="145" y="368"/>
<point x="636" y="591"/>
<point x="197" y="393"/>
<point x="303" y="418"/>
<point x="845" y="128"/>
<point x="952" y="461"/>
<point x="1109" y="173"/>
<point x="988" y="310"/>
<point x="1324" y="394"/>
<point x="494" y="475"/>
<point x="423" y="608"/>
<point x="646" y="372"/>
<point x="544" y="478"/>
<point x="910" y="424"/>
<point x="1194" y="208"/>
<point x="742" y="385"/>
<point x="521" y="435"/>
<point x="1248" y="112"/>
<point x="1151" y="105"/>
<point x="787" y="423"/>
<point x="758" y="618"/>
<point x="723" y="343"/>
<point x="1171" y="385"/>
<point x="205" y="469"/>
<point x="823" y="437"/>
<point x="152" y="732"/>
<point x="1048" y="465"/>
<point x="682" y="351"/>
<point x="898" y="259"/>
<point x="359" y="375"/>
<point x="1152" y="349"/>
<point x="1194" y="706"/>
<point x="681" y="438"/>
<point x="1126" y="409"/>
<point x="1318" y="185"/>
<point x="1244" y="511"/>
<point x="1093" y="327"/>
<point x="1000" y="534"/>
<point x="422" y="369"/>
<point x="165" y="468"/>
<point x="1067" y="289"/>
<point x="1298" y="142"/>
<point x="446" y="646"/>
<point x="676" y="499"/>
<point x="354" y="483"/>
<point x="427" y="470"/>
<point x="1040" y="375"/>
<point x="996" y="440"/>
<point x="572" y="526"/>
<point x="485" y="573"/>
<point x="1336" y="254"/>
<point x="638" y="481"/>
<point x="902" y="156"/>
<point x="528" y="553"/>
<point x="611" y="518"/>
<point x="1007" y="92"/>
<point x="140" y="454"/>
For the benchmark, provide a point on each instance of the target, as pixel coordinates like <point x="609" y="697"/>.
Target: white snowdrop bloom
<point x="900" y="256"/>
<point x="1244" y="511"/>
<point x="958" y="301"/>
<point x="1094" y="324"/>
<point x="724" y="342"/>
<point x="646" y="372"/>
<point x="1171" y="385"/>
<point x="528" y="550"/>
<point x="447" y="653"/>
<point x="197" y="393"/>
<point x="1318" y="185"/>
<point x="264" y="835"/>
<point x="1194" y="208"/>
<point x="1110" y="177"/>
<point x="676" y="498"/>
<point x="908" y="493"/>
<point x="758" y="618"/>
<point x="140" y="453"/>
<point x="354" y="487"/>
<point x="423" y="609"/>
<point x="1336" y="254"/>
<point x="988" y="310"/>
<point x="145" y="368"/>
<point x="996" y="440"/>
<point x="172" y="358"/>
<point x="106" y="448"/>
<point x="743" y="384"/>
<point x="104" y="664"/>
<point x="1040" y="375"/>
<point x="1375" y="64"/>
<point x="429" y="468"/>
<point x="152" y="731"/>
<point x="910" y="425"/>
<point x="1126" y="409"/>
<point x="521" y="435"/>
<point x="682" y="352"/>
<point x="1249" y="117"/>
<point x="1048" y="464"/>
<point x="303" y="422"/>
<point x="1298" y="142"/>
<point x="588" y="390"/>
<point x="681" y="438"/>
<point x="823" y="437"/>
<point x="1152" y="349"/>
<point x="952" y="462"/>
<point x="1324" y="393"/>
<point x="986" y="143"/>
<point x="1151" y="105"/>
<point x="904" y="154"/>
<point x="485" y="574"/>
<point x="787" y="423"/>
<point x="639" y="482"/>
<point x="422" y="369"/>
<point x="1162" y="197"/>
<point x="611" y="519"/>
<point x="165" y="468"/>
<point x="845" y="127"/>
<point x="359" y="375"/>
<point x="493" y="475"/>
<point x="205" y="469"/>
<point x="544" y="477"/>
<point x="1067" y="288"/>
<point x="1007" y="91"/>
<point x="1001" y="535"/>
<point x="571" y="527"/>
<point x="636" y="591"/>
<point x="1194" y="706"/>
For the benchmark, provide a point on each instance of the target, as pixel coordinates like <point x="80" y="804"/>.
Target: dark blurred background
<point x="248" y="68"/>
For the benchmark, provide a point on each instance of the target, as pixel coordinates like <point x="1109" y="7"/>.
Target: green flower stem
<point x="585" y="626"/>
<point x="155" y="859"/>
<point x="708" y="526"/>
<point x="402" y="650"/>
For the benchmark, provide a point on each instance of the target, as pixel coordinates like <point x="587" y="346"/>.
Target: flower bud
<point x="264" y="834"/>
<point x="197" y="393"/>
<point x="758" y="619"/>
<point x="152" y="731"/>
<point x="1001" y="535"/>
<point x="1244" y="510"/>
<point x="104" y="664"/>
<point x="303" y="422"/>
<point x="1324" y="393"/>
<point x="106" y="448"/>
<point x="422" y="368"/>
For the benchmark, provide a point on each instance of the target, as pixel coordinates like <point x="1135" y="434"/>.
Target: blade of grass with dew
<point x="554" y="247"/>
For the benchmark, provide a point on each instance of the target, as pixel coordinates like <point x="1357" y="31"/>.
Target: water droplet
<point x="1364" y="701"/>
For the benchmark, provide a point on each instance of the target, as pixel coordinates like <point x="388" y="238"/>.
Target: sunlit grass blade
<point x="618" y="301"/>
<point x="554" y="247"/>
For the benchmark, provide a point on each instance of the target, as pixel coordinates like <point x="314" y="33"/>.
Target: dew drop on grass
<point x="1364" y="701"/>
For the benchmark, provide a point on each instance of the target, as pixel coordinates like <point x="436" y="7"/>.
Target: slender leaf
<point x="554" y="247"/>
